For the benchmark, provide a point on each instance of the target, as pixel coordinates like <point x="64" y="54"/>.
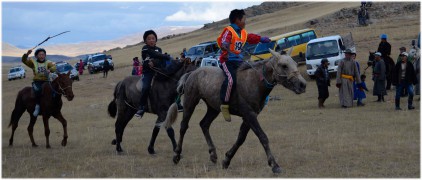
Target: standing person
<point x="402" y="49"/>
<point x="150" y="50"/>
<point x="378" y="76"/>
<point x="184" y="53"/>
<point x="322" y="81"/>
<point x="135" y="70"/>
<point x="41" y="68"/>
<point x="347" y="72"/>
<point x="359" y="91"/>
<point x="106" y="67"/>
<point x="81" y="67"/>
<point x="404" y="77"/>
<point x="231" y="41"/>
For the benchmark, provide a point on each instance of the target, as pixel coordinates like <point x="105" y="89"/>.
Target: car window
<point x="64" y="67"/>
<point x="98" y="58"/>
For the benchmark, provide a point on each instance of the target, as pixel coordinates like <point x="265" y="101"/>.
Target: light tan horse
<point x="254" y="83"/>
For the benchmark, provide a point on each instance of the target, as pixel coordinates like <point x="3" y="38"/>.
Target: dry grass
<point x="372" y="141"/>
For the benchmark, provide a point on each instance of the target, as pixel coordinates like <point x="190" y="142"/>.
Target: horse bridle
<point x="60" y="88"/>
<point x="287" y="76"/>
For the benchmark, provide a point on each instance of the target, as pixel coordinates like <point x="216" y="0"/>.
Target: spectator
<point x="359" y="91"/>
<point x="347" y="72"/>
<point x="402" y="49"/>
<point x="136" y="68"/>
<point x="106" y="67"/>
<point x="322" y="81"/>
<point x="378" y="76"/>
<point x="81" y="67"/>
<point x="404" y="77"/>
<point x="417" y="66"/>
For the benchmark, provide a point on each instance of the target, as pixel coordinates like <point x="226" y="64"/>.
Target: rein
<point x="60" y="87"/>
<point x="162" y="73"/>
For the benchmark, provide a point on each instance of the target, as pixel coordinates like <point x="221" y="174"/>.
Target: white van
<point x="330" y="47"/>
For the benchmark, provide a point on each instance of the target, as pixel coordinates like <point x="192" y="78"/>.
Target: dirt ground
<point x="373" y="141"/>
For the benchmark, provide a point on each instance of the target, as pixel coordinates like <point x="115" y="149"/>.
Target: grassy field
<point x="373" y="141"/>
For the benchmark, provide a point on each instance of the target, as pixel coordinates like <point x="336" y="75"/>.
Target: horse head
<point x="285" y="72"/>
<point x="371" y="58"/>
<point x="64" y="84"/>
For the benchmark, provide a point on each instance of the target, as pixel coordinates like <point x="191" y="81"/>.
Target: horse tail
<point x="112" y="107"/>
<point x="17" y="111"/>
<point x="181" y="84"/>
<point x="171" y="116"/>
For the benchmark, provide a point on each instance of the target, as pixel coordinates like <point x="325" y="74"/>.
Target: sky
<point x="25" y="24"/>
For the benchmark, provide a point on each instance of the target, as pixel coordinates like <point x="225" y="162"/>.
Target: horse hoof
<point x="176" y="159"/>
<point x="64" y="142"/>
<point x="151" y="150"/>
<point x="119" y="149"/>
<point x="34" y="145"/>
<point x="276" y="170"/>
<point x="226" y="164"/>
<point x="213" y="158"/>
<point x="114" y="142"/>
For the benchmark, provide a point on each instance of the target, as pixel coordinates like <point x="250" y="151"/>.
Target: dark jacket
<point x="321" y="79"/>
<point x="106" y="65"/>
<point x="409" y="77"/>
<point x="154" y="53"/>
<point x="385" y="49"/>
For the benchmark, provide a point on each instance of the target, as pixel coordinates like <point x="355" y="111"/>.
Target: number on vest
<point x="238" y="46"/>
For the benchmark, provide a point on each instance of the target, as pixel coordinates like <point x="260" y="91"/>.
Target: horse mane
<point x="249" y="65"/>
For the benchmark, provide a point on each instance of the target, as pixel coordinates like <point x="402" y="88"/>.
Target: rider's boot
<point x="37" y="110"/>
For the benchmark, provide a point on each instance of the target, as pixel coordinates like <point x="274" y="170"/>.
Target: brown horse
<point x="254" y="84"/>
<point x="51" y="104"/>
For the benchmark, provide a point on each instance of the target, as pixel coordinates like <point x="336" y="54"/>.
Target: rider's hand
<point x="29" y="52"/>
<point x="151" y="64"/>
<point x="265" y="39"/>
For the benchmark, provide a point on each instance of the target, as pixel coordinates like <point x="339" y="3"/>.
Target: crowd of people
<point x="404" y="75"/>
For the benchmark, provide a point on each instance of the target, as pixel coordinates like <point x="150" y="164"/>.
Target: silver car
<point x="16" y="72"/>
<point x="64" y="67"/>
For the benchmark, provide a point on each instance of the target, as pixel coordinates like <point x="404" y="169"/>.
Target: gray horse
<point x="127" y="95"/>
<point x="254" y="84"/>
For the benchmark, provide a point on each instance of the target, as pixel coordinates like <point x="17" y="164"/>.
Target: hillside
<point x="335" y="18"/>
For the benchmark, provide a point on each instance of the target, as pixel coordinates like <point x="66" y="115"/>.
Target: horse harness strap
<point x="60" y="88"/>
<point x="291" y="75"/>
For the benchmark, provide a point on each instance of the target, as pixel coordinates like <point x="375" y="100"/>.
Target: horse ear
<point x="274" y="53"/>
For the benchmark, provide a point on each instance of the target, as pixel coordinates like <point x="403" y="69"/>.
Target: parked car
<point x="206" y="49"/>
<point x="96" y="61"/>
<point x="16" y="72"/>
<point x="330" y="47"/>
<point x="64" y="67"/>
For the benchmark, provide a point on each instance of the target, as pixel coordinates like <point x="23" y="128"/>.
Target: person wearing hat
<point x="323" y="81"/>
<point x="402" y="49"/>
<point x="384" y="48"/>
<point x="41" y="68"/>
<point x="404" y="77"/>
<point x="347" y="72"/>
<point x="379" y="77"/>
<point x="150" y="50"/>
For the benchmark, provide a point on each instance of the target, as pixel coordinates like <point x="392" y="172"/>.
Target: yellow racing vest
<point x="237" y="42"/>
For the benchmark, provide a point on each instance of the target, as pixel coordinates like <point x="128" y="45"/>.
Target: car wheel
<point x="77" y="78"/>
<point x="24" y="76"/>
<point x="10" y="79"/>
<point x="112" y="68"/>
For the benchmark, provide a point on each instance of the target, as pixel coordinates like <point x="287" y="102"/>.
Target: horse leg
<point x="60" y="117"/>
<point x="120" y="125"/>
<point x="244" y="129"/>
<point x="154" y="135"/>
<point x="252" y="121"/>
<point x="16" y="115"/>
<point x="205" y="126"/>
<point x="31" y="129"/>
<point x="46" y="130"/>
<point x="188" y="108"/>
